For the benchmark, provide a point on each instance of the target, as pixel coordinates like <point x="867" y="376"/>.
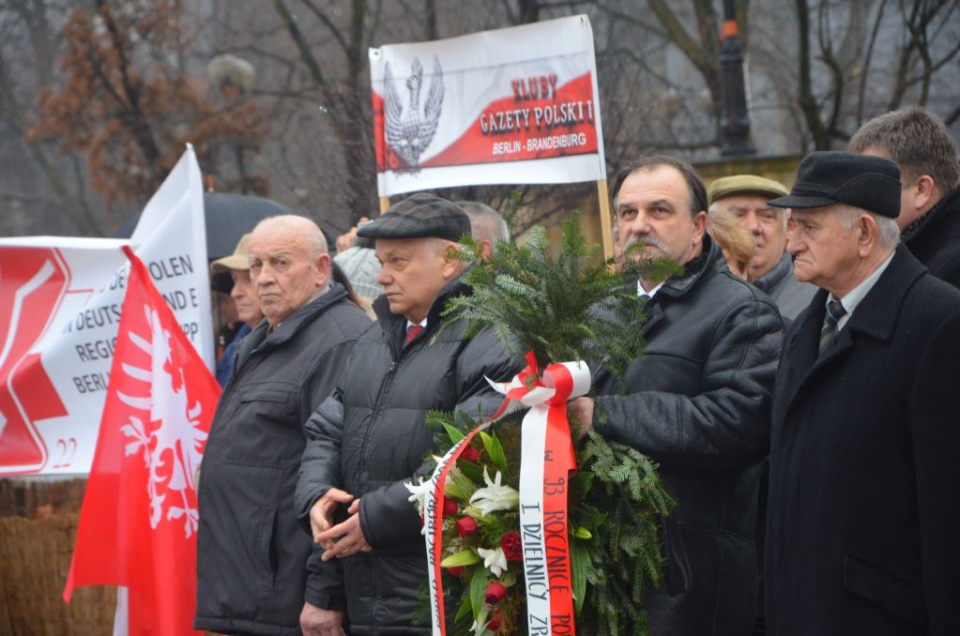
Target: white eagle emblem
<point x="409" y="133"/>
<point x="172" y="446"/>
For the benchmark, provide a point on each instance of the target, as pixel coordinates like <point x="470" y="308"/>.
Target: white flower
<point x="419" y="493"/>
<point x="479" y="627"/>
<point x="494" y="496"/>
<point x="494" y="560"/>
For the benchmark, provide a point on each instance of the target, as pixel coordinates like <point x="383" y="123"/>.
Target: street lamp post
<point x="734" y="117"/>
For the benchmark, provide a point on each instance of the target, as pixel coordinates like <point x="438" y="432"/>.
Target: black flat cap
<point x="825" y="178"/>
<point x="420" y="216"/>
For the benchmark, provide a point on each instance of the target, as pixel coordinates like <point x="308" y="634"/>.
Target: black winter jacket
<point x="935" y="239"/>
<point x="252" y="552"/>
<point x="698" y="403"/>
<point x="370" y="438"/>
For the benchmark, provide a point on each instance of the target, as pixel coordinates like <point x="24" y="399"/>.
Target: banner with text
<point x="516" y="105"/>
<point x="60" y="305"/>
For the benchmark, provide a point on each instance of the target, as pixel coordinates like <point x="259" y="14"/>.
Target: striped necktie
<point x="412" y="332"/>
<point x="828" y="334"/>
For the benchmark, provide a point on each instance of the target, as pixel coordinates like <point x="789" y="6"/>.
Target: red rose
<point x="449" y="507"/>
<point x="456" y="570"/>
<point x="494" y="623"/>
<point x="470" y="454"/>
<point x="512" y="546"/>
<point x="466" y="526"/>
<point x="496" y="592"/>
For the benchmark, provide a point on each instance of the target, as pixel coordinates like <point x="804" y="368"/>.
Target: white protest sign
<point x="518" y="105"/>
<point x="60" y="304"/>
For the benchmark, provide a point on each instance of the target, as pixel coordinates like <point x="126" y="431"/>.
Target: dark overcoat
<point x="698" y="403"/>
<point x="863" y="526"/>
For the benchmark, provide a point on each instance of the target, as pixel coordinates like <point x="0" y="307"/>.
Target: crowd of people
<point x="799" y="391"/>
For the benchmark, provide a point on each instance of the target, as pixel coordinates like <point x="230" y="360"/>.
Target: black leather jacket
<point x="698" y="403"/>
<point x="370" y="438"/>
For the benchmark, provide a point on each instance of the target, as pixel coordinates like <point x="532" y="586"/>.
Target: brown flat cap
<point x="420" y="216"/>
<point x="744" y="184"/>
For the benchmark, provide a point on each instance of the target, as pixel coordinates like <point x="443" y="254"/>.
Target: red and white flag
<point x="138" y="524"/>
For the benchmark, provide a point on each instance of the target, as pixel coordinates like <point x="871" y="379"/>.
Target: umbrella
<point x="228" y="217"/>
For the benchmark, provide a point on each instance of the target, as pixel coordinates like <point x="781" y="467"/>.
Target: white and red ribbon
<point x="547" y="457"/>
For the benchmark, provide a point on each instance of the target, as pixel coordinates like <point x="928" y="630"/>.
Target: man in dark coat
<point x="252" y="553"/>
<point x="919" y="142"/>
<point x="863" y="525"/>
<point x="370" y="438"/>
<point x="697" y="403"/>
<point x="771" y="269"/>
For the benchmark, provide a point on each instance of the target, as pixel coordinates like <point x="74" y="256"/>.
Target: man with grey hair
<point x="919" y="142"/>
<point x="487" y="226"/>
<point x="369" y="439"/>
<point x="771" y="269"/>
<point x="863" y="513"/>
<point x="251" y="551"/>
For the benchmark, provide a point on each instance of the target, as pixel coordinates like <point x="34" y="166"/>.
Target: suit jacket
<point x="863" y="526"/>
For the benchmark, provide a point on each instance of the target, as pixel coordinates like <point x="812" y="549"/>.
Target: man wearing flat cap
<point x="863" y="524"/>
<point x="771" y="269"/>
<point x="370" y="437"/>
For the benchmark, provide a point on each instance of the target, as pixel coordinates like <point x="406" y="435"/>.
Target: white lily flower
<point x="494" y="496"/>
<point x="494" y="560"/>
<point x="479" y="627"/>
<point x="419" y="493"/>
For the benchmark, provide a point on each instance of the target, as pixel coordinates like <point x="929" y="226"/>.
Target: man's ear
<point x="699" y="226"/>
<point x="452" y="263"/>
<point x="324" y="270"/>
<point x="926" y="189"/>
<point x="869" y="232"/>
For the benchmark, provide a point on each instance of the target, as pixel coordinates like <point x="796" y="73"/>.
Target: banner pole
<point x="606" y="229"/>
<point x="384" y="204"/>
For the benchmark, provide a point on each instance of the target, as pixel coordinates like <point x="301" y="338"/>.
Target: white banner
<point x="60" y="304"/>
<point x="517" y="105"/>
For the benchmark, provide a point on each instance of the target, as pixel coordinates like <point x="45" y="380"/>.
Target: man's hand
<point x="345" y="539"/>
<point x="320" y="622"/>
<point x="321" y="514"/>
<point x="582" y="410"/>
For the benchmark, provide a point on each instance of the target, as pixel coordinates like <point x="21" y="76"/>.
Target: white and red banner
<point x="546" y="459"/>
<point x="60" y="306"/>
<point x="517" y="105"/>
<point x="139" y="518"/>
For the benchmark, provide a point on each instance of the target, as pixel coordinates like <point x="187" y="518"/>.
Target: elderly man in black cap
<point x="370" y="438"/>
<point x="863" y="525"/>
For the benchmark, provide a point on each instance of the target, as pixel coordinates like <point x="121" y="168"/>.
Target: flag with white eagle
<point x="139" y="519"/>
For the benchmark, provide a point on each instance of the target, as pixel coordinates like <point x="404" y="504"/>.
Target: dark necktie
<point x="412" y="332"/>
<point x="828" y="334"/>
